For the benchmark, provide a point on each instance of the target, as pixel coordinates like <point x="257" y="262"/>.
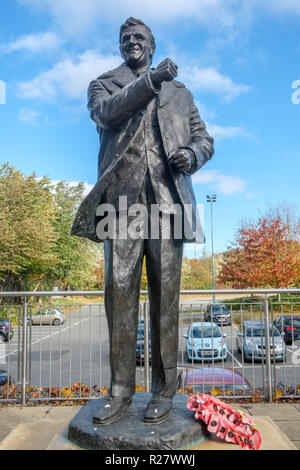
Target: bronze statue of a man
<point x="152" y="141"/>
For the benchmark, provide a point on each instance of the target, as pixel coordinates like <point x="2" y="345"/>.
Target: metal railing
<point x="47" y="360"/>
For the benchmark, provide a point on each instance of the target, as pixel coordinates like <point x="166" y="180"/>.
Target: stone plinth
<point x="179" y="431"/>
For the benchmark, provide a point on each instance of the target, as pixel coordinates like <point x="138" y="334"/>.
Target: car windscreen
<point x="256" y="332"/>
<point x="218" y="308"/>
<point x="206" y="332"/>
<point x="206" y="388"/>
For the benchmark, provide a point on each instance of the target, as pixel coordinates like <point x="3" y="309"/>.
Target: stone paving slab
<point x="33" y="428"/>
<point x="272" y="438"/>
<point x="31" y="436"/>
<point x="16" y="415"/>
<point x="276" y="411"/>
<point x="291" y="429"/>
<point x="4" y="430"/>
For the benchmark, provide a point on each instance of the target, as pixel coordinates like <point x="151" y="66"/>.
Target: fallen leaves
<point x="79" y="393"/>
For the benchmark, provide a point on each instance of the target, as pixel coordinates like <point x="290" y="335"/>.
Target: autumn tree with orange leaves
<point x="263" y="254"/>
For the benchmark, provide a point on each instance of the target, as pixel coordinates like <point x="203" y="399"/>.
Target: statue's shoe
<point x="111" y="410"/>
<point x="158" y="410"/>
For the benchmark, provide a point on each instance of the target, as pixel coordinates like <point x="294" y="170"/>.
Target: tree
<point x="77" y="258"/>
<point x="27" y="236"/>
<point x="37" y="250"/>
<point x="197" y="273"/>
<point x="263" y="254"/>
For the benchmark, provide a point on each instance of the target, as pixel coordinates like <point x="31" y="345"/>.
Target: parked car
<point x="140" y="344"/>
<point x="5" y="378"/>
<point x="251" y="339"/>
<point x="217" y="313"/>
<point x="203" y="379"/>
<point x="48" y="316"/>
<point x="204" y="341"/>
<point x="290" y="327"/>
<point x="6" y="331"/>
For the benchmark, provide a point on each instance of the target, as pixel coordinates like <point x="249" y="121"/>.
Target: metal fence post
<point x="146" y="346"/>
<point x="268" y="351"/>
<point x="24" y="353"/>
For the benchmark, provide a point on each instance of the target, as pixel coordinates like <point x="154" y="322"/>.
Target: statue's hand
<point x="183" y="159"/>
<point x="166" y="71"/>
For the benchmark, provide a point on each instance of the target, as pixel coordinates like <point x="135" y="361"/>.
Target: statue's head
<point x="137" y="44"/>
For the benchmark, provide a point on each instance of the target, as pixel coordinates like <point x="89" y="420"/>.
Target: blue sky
<point x="238" y="57"/>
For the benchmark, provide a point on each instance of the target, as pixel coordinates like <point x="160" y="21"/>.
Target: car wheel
<point x="2" y="339"/>
<point x="246" y="358"/>
<point x="56" y="322"/>
<point x="188" y="358"/>
<point x="289" y="343"/>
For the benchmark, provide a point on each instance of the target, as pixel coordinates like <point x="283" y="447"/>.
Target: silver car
<point x="48" y="316"/>
<point x="251" y="340"/>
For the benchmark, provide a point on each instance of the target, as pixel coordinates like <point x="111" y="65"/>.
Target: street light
<point x="212" y="199"/>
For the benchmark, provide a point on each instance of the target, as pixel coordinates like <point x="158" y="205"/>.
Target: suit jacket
<point x="116" y="101"/>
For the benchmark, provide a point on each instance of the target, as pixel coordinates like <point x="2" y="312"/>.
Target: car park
<point x="204" y="379"/>
<point x="48" y="316"/>
<point x="217" y="313"/>
<point x="289" y="326"/>
<point x="205" y="342"/>
<point x="140" y="344"/>
<point x="251" y="341"/>
<point x="6" y="331"/>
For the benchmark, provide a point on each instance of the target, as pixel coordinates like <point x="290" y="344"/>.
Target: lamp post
<point x="212" y="199"/>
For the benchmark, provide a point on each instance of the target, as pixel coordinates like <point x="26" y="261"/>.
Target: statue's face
<point x="136" y="47"/>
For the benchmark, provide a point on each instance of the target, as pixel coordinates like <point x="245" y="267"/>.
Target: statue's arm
<point x="201" y="143"/>
<point x="110" y="111"/>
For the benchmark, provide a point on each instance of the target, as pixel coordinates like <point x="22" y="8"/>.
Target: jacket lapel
<point x="122" y="76"/>
<point x="166" y="93"/>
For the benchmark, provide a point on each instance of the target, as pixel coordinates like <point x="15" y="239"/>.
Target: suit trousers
<point x="123" y="270"/>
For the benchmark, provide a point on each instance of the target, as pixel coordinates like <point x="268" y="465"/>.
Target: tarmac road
<point x="78" y="351"/>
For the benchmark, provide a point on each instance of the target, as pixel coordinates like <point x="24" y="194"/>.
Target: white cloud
<point x="34" y="43"/>
<point x="208" y="79"/>
<point x="80" y="16"/>
<point x="87" y="186"/>
<point x="28" y="116"/>
<point x="224" y="184"/>
<point x="229" y="132"/>
<point x="205" y="113"/>
<point x="72" y="76"/>
<point x="280" y="6"/>
<point x="69" y="77"/>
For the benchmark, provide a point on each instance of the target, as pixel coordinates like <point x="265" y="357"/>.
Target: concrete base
<point x="46" y="428"/>
<point x="129" y="432"/>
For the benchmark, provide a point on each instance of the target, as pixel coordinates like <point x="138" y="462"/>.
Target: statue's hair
<point x="133" y="22"/>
